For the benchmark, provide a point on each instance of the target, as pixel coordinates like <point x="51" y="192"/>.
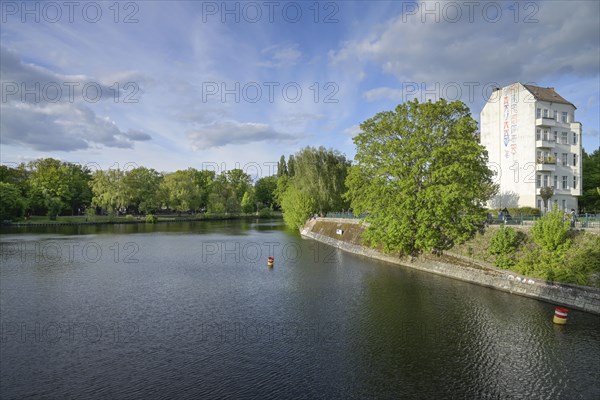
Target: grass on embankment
<point x="579" y="266"/>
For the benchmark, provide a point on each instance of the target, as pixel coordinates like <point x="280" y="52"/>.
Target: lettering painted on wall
<point x="506" y="125"/>
<point x="514" y="119"/>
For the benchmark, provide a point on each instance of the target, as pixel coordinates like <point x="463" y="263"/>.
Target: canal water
<point x="191" y="310"/>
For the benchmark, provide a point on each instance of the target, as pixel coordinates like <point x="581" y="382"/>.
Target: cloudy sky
<point x="214" y="85"/>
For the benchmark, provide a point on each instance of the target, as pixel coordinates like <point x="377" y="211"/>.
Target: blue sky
<point x="215" y="85"/>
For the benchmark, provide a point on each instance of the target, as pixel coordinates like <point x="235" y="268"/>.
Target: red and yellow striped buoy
<point x="560" y="315"/>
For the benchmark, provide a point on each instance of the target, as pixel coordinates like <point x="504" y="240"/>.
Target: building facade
<point x="533" y="141"/>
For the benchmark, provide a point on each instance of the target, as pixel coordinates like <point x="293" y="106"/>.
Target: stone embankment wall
<point x="345" y="234"/>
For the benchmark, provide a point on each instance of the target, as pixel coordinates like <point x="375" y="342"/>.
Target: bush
<point x="151" y="218"/>
<point x="265" y="212"/>
<point x="545" y="257"/>
<point x="129" y="217"/>
<point x="582" y="262"/>
<point x="504" y="245"/>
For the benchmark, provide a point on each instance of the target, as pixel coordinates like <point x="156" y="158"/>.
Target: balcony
<point x="545" y="144"/>
<point x="545" y="164"/>
<point x="545" y="121"/>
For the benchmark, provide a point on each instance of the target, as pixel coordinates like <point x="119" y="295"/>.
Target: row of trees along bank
<point x="52" y="187"/>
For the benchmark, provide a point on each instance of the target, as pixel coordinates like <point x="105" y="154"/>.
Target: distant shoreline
<point x="141" y="220"/>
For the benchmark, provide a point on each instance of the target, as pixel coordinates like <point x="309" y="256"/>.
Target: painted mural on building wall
<point x="510" y="123"/>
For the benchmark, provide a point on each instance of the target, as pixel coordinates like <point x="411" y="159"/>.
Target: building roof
<point x="547" y="94"/>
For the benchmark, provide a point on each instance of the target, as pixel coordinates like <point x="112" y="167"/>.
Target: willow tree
<point x="420" y="176"/>
<point x="318" y="185"/>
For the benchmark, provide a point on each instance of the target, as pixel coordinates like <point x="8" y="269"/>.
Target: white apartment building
<point x="533" y="141"/>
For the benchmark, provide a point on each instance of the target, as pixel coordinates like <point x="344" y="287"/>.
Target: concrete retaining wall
<point x="570" y="296"/>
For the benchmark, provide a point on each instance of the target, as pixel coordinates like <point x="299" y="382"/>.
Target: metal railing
<point x="587" y="221"/>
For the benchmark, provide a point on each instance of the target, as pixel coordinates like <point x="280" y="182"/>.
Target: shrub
<point x="265" y="212"/>
<point x="129" y="217"/>
<point x="582" y="262"/>
<point x="545" y="257"/>
<point x="504" y="245"/>
<point x="151" y="218"/>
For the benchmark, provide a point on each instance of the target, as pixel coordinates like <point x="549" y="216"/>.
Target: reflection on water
<point x="190" y="310"/>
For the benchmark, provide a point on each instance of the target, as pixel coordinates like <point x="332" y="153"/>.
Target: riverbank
<point x="106" y="220"/>
<point x="346" y="234"/>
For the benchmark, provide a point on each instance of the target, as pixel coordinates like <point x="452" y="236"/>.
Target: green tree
<point x="322" y="173"/>
<point x="421" y="176"/>
<point x="545" y="257"/>
<point x="248" y="202"/>
<point x="264" y="190"/>
<point x="52" y="179"/>
<point x="11" y="201"/>
<point x="109" y="190"/>
<point x="546" y="194"/>
<point x="291" y="165"/>
<point x="504" y="245"/>
<point x="319" y="175"/>
<point x="282" y="167"/>
<point x="297" y="207"/>
<point x="216" y="204"/>
<point x="143" y="189"/>
<point x="239" y="182"/>
<point x="180" y="190"/>
<point x="590" y="186"/>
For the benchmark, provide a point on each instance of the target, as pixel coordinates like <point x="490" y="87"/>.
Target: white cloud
<point x="446" y="52"/>
<point x="223" y="133"/>
<point x="279" y="56"/>
<point x="385" y="93"/>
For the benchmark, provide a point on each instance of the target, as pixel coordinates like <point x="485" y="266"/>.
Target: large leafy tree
<point x="11" y="201"/>
<point x="110" y="189"/>
<point x="420" y="176"/>
<point x="59" y="184"/>
<point x="143" y="189"/>
<point x="181" y="191"/>
<point x="590" y="188"/>
<point x="319" y="175"/>
<point x="264" y="190"/>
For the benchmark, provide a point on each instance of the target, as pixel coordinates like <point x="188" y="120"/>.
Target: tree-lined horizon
<point x="419" y="178"/>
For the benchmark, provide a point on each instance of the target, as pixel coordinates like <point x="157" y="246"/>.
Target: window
<point x="563" y="116"/>
<point x="565" y="182"/>
<point x="546" y="133"/>
<point x="574" y="138"/>
<point x="545" y="113"/>
<point x="555" y="182"/>
<point x="556" y="136"/>
<point x="574" y="160"/>
<point x="539" y="203"/>
<point x="546" y="180"/>
<point x="574" y="182"/>
<point x="538" y="134"/>
<point x="564" y="137"/>
<point x="564" y="204"/>
<point x="556" y="115"/>
<point x="538" y="113"/>
<point x="564" y="159"/>
<point x="555" y="158"/>
<point x="538" y="180"/>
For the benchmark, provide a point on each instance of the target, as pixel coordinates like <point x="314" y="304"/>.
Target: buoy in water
<point x="270" y="261"/>
<point x="560" y="315"/>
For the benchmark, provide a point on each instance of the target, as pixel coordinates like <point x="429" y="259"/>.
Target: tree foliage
<point x="590" y="187"/>
<point x="297" y="207"/>
<point x="421" y="176"/>
<point x="51" y="179"/>
<point x="504" y="245"/>
<point x="318" y="185"/>
<point x="109" y="190"/>
<point x="12" y="202"/>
